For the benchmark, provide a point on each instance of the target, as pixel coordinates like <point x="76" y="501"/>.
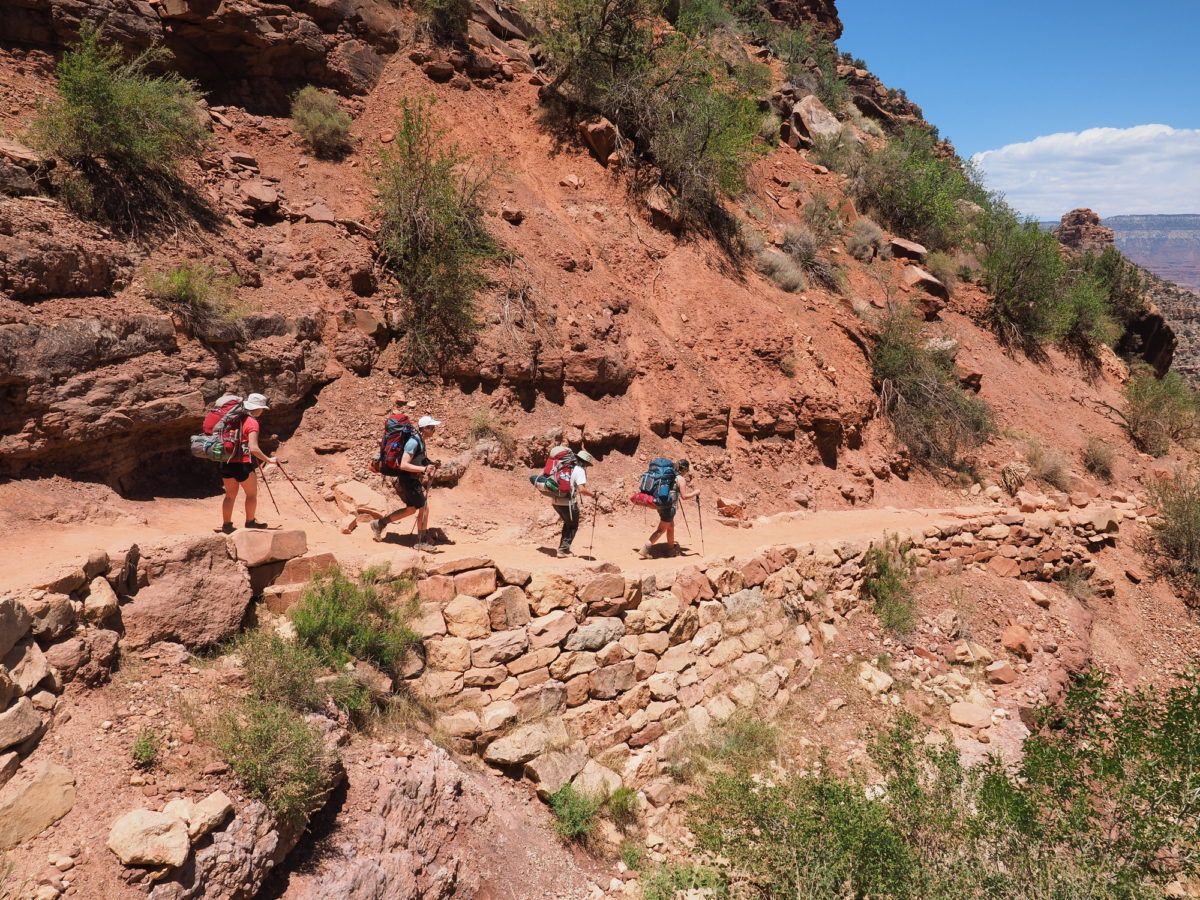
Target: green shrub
<point x="670" y="882"/>
<point x="866" y="240"/>
<point x="1160" y="410"/>
<point x="121" y="130"/>
<point x="1085" y="322"/>
<point x="343" y="618"/>
<point x="887" y="574"/>
<point x="1023" y="270"/>
<point x="768" y="128"/>
<point x="822" y="220"/>
<point x="912" y="190"/>
<point x="1122" y="282"/>
<point x="201" y="296"/>
<point x="697" y="18"/>
<point x="942" y="267"/>
<point x="622" y="806"/>
<point x="801" y="246"/>
<point x="321" y="122"/>
<point x="1177" y="528"/>
<point x="1048" y="466"/>
<point x="146" y="747"/>
<point x="632" y="855"/>
<point x="483" y="428"/>
<point x="279" y="757"/>
<point x="431" y="234"/>
<point x="1096" y="802"/>
<point x="932" y="416"/>
<point x="742" y="742"/>
<point x="781" y="269"/>
<point x="447" y="18"/>
<point x="839" y="154"/>
<point x="575" y="813"/>
<point x="1098" y="458"/>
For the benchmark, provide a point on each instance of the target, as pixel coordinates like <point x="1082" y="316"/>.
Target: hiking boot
<point x="377" y="528"/>
<point x="563" y="554"/>
<point x="646" y="551"/>
<point x="254" y="523"/>
<point x="227" y="528"/>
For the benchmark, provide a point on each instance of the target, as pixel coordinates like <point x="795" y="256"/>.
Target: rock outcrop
<point x="252" y="52"/>
<point x="1081" y="230"/>
<point x="820" y="15"/>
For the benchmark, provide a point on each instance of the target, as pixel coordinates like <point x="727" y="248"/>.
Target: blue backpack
<point x="659" y="480"/>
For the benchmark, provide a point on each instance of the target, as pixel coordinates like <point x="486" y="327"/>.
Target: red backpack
<point x="396" y="432"/>
<point x="556" y="474"/>
<point x="221" y="434"/>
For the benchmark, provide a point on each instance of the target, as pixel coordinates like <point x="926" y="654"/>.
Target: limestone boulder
<point x="595" y="780"/>
<point x="27" y="666"/>
<point x="52" y="615"/>
<point x="254" y="546"/>
<point x="526" y="742"/>
<point x="18" y="723"/>
<point x="32" y="803"/>
<point x="931" y="295"/>
<point x="101" y="602"/>
<point x="196" y="594"/>
<point x="970" y="715"/>
<point x="594" y="634"/>
<point x="355" y="498"/>
<point x="902" y="249"/>
<point x="143" y="837"/>
<point x="203" y="816"/>
<point x="500" y="647"/>
<point x="14" y="623"/>
<point x="556" y="768"/>
<point x="467" y="617"/>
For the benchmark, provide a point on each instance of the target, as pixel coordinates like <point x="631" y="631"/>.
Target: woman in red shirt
<point x="240" y="470"/>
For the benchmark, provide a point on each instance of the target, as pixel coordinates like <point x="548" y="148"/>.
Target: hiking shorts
<point x="667" y="513"/>
<point x="239" y="472"/>
<point x="410" y="490"/>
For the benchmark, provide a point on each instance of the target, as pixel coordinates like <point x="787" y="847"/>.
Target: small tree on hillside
<point x="122" y="131"/>
<point x="432" y="235"/>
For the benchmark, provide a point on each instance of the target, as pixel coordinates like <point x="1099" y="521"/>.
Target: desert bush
<point x="122" y="131"/>
<point x="447" y="19"/>
<point x="672" y="881"/>
<point x="866" y="240"/>
<point x="622" y="806"/>
<point x="200" y="295"/>
<point x="822" y="220"/>
<point x="839" y="154"/>
<point x="1160" y="410"/>
<point x="431" y="234"/>
<point x="1048" y="465"/>
<point x="279" y="757"/>
<point x="697" y="18"/>
<point x="912" y="190"/>
<point x="1095" y="803"/>
<point x="1023" y="270"/>
<point x="942" y="267"/>
<point x="632" y="855"/>
<point x="343" y="618"/>
<point x="145" y="748"/>
<point x="321" y="122"/>
<point x="1122" y="282"/>
<point x="575" y="813"/>
<point x="1098" y="458"/>
<point x="768" y="128"/>
<point x="484" y="428"/>
<point x="931" y="414"/>
<point x="887" y="577"/>
<point x="801" y="246"/>
<point x="781" y="269"/>
<point x="1084" y="318"/>
<point x="1176" y="529"/>
<point x="742" y="742"/>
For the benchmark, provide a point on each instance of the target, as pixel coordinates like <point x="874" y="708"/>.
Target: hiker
<point x="403" y="457"/>
<point x="240" y="469"/>
<point x="668" y="504"/>
<point x="563" y="480"/>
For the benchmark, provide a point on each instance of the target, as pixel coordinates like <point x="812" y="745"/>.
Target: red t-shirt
<point x="249" y="427"/>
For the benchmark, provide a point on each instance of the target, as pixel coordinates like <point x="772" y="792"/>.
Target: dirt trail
<point x="507" y="535"/>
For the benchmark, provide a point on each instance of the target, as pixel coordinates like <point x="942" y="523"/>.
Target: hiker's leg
<point x="657" y="533"/>
<point x="670" y="530"/>
<point x="403" y="513"/>
<point x="228" y="501"/>
<point x="570" y="517"/>
<point x="250" y="486"/>
<point x="423" y="518"/>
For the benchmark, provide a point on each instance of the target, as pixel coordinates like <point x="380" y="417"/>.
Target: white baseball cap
<point x="256" y="401"/>
<point x="427" y="422"/>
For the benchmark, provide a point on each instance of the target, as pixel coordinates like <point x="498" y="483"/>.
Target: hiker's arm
<point x="684" y="492"/>
<point x="252" y="443"/>
<point x="406" y="465"/>
<point x="586" y="491"/>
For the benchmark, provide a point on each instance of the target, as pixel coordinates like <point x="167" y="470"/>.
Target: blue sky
<point x="997" y="75"/>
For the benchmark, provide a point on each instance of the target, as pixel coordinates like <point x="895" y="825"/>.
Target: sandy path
<point x="30" y="551"/>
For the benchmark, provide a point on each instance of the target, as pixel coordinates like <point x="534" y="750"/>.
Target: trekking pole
<point x="302" y="497"/>
<point x="683" y="510"/>
<point x="592" y="539"/>
<point x="262" y="469"/>
<point x="700" y="513"/>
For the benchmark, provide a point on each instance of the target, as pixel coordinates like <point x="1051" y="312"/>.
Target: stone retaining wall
<point x="596" y="679"/>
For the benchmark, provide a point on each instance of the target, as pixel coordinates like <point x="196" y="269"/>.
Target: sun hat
<point x="584" y="457"/>
<point x="683" y="466"/>
<point x="428" y="422"/>
<point x="256" y="401"/>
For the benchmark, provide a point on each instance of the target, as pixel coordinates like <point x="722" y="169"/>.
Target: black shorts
<point x="667" y="513"/>
<point x="410" y="490"/>
<point x="239" y="472"/>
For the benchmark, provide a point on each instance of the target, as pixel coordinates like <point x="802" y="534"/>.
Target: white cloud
<point x="1115" y="171"/>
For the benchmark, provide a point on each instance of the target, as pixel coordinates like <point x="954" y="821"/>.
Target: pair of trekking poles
<point x="262" y="467"/>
